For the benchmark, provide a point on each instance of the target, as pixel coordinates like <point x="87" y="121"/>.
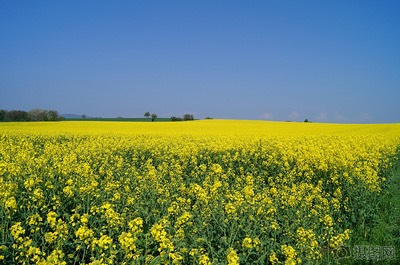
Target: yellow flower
<point x="68" y="191"/>
<point x="85" y="219"/>
<point x="136" y="225"/>
<point x="157" y="232"/>
<point x="328" y="221"/>
<point x="56" y="257"/>
<point x="247" y="243"/>
<point x="232" y="257"/>
<point x="204" y="260"/>
<point x="183" y="219"/>
<point x="274" y="225"/>
<point x="17" y="231"/>
<point x="230" y="208"/>
<point x="175" y="257"/>
<point x="272" y="258"/>
<point x="84" y="234"/>
<point x="11" y="204"/>
<point x="127" y="242"/>
<point x="2" y="248"/>
<point x="38" y="194"/>
<point x="290" y="254"/>
<point x="179" y="176"/>
<point x="103" y="242"/>
<point x="34" y="219"/>
<point x="51" y="219"/>
<point x="50" y="237"/>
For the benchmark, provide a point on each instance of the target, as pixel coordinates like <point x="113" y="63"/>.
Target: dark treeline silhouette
<point x="186" y="117"/>
<point x="32" y="115"/>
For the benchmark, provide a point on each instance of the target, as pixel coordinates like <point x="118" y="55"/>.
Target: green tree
<point x="32" y="115"/>
<point x="16" y="115"/>
<point x="52" y="115"/>
<point x="153" y="117"/>
<point x="188" y="117"/>
<point x="147" y="114"/>
<point x="2" y="114"/>
<point x="37" y="115"/>
<point x="173" y="118"/>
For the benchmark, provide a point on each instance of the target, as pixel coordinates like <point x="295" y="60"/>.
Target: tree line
<point x="186" y="117"/>
<point x="32" y="115"/>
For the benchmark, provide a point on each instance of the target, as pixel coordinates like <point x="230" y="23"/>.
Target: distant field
<point x="201" y="192"/>
<point x="121" y="119"/>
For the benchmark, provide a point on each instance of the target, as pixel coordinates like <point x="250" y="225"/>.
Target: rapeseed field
<point x="201" y="192"/>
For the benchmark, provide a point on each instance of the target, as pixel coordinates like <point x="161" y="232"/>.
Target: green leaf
<point x="155" y="261"/>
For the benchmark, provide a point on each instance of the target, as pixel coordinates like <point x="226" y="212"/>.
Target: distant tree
<point x="2" y="114"/>
<point x="147" y="114"/>
<point x="188" y="117"/>
<point x="16" y="115"/>
<point x="83" y="116"/>
<point x="208" y="118"/>
<point x="32" y="115"/>
<point x="52" y="115"/>
<point x="37" y="115"/>
<point x="153" y="117"/>
<point x="306" y="120"/>
<point x="173" y="118"/>
<point x="45" y="115"/>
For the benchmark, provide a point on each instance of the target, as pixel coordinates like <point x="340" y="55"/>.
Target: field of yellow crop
<point x="201" y="192"/>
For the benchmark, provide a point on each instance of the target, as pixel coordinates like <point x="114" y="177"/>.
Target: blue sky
<point x="328" y="61"/>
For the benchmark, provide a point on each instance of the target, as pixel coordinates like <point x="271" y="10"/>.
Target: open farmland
<point x="201" y="192"/>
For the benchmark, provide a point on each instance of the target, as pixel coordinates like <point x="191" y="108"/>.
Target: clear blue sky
<point x="331" y="61"/>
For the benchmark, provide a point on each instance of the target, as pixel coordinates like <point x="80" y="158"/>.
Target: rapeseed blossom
<point x="232" y="257"/>
<point x="201" y="192"/>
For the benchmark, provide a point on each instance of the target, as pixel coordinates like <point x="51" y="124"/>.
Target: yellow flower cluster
<point x="232" y="257"/>
<point x="201" y="192"/>
<point x="290" y="255"/>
